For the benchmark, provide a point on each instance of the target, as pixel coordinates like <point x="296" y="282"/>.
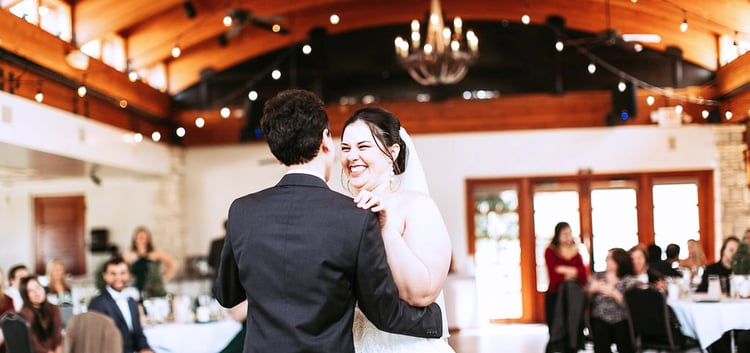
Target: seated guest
<point x="609" y="317"/>
<point x="44" y="319"/>
<point x="120" y="307"/>
<point x="694" y="260"/>
<point x="58" y="290"/>
<point x="723" y="267"/>
<point x="673" y="260"/>
<point x="14" y="279"/>
<point x="6" y="304"/>
<point x="641" y="269"/>
<point x="664" y="267"/>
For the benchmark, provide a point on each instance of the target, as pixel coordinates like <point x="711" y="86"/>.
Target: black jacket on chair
<point x="566" y="332"/>
<point x="303" y="254"/>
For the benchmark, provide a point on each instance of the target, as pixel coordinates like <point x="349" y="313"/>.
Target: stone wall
<point x="169" y="209"/>
<point x="732" y="196"/>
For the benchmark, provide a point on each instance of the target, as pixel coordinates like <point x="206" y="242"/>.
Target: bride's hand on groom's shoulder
<point x="371" y="200"/>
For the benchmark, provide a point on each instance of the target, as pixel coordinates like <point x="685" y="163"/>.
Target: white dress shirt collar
<point x="121" y="299"/>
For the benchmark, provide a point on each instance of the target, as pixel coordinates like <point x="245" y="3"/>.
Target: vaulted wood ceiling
<point x="152" y="28"/>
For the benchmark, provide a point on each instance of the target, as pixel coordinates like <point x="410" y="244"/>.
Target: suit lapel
<point x="116" y="308"/>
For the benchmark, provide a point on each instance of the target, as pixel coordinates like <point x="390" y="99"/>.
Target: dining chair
<point x="17" y="333"/>
<point x="652" y="327"/>
<point x="91" y="332"/>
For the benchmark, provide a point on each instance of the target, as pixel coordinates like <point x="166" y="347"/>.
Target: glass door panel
<point x="498" y="254"/>
<point x="676" y="215"/>
<point x="614" y="222"/>
<point x="550" y="208"/>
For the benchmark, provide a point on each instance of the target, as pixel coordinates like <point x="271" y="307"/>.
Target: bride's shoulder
<point x="414" y="200"/>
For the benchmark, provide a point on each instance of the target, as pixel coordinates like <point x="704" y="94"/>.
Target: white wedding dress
<point x="367" y="337"/>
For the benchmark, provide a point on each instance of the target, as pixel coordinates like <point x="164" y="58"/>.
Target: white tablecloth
<point x="706" y="322"/>
<point x="191" y="338"/>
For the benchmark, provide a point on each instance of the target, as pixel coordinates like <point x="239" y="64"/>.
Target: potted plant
<point x="740" y="278"/>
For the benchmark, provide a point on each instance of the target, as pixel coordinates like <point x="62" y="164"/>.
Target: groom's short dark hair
<point x="293" y="122"/>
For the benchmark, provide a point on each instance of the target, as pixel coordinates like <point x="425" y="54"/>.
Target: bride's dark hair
<point x="384" y="127"/>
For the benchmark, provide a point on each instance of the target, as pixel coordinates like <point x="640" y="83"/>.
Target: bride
<point x="384" y="174"/>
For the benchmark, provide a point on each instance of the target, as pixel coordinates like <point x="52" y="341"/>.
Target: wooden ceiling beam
<point x="588" y="16"/>
<point x="96" y="17"/>
<point x="41" y="48"/>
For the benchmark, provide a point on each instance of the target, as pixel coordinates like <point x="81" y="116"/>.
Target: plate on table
<point x="704" y="298"/>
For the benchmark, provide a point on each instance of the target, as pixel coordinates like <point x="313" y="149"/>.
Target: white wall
<point x="117" y="204"/>
<point x="217" y="175"/>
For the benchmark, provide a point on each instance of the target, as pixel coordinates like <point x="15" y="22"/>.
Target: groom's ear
<point x="326" y="141"/>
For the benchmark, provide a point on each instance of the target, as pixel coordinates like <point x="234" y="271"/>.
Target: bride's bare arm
<point x="420" y="259"/>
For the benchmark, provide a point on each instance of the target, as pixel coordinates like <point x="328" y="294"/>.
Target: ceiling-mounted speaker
<point x="189" y="9"/>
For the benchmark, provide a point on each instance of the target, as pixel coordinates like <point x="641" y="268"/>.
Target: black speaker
<point x="99" y="240"/>
<point x="624" y="104"/>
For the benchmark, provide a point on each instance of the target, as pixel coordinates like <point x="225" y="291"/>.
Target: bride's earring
<point x="392" y="181"/>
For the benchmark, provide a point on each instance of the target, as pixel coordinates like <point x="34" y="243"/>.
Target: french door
<point x="511" y="222"/>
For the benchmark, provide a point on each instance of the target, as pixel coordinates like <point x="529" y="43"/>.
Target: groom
<point x="302" y="254"/>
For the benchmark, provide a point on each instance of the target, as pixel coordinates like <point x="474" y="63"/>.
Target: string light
<point x="123" y="104"/>
<point x="156" y="136"/>
<point x="39" y="96"/>
<point x="275" y="28"/>
<point x="306" y="49"/>
<point x="82" y="91"/>
<point x="684" y="24"/>
<point x="138" y="137"/>
<point x="224" y="112"/>
<point x="180" y="131"/>
<point x="176" y="51"/>
<point x="728" y="115"/>
<point x="559" y="46"/>
<point x="334" y="19"/>
<point x="132" y="76"/>
<point x="621" y="86"/>
<point x="650" y="100"/>
<point x="704" y="114"/>
<point x="276" y="74"/>
<point x="227" y="21"/>
<point x="525" y="19"/>
<point x="200" y="122"/>
<point x="591" y="68"/>
<point x="252" y="96"/>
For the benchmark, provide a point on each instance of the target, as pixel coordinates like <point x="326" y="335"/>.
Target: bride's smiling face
<point x="363" y="159"/>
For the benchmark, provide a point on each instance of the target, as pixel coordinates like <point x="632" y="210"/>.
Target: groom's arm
<point x="227" y="288"/>
<point x="378" y="296"/>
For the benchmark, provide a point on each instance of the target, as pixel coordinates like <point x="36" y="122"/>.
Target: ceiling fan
<point x="610" y="36"/>
<point x="238" y="18"/>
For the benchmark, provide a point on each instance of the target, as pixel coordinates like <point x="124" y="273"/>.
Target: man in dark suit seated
<point x="120" y="307"/>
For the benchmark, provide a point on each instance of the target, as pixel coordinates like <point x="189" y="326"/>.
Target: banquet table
<point x="706" y="321"/>
<point x="208" y="337"/>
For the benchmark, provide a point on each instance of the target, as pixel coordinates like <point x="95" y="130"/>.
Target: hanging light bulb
<point x="176" y="51"/>
<point x="180" y="131"/>
<point x="276" y="74"/>
<point x="252" y="95"/>
<point x="334" y="19"/>
<point x="200" y="122"/>
<point x="156" y="136"/>
<point x="728" y="115"/>
<point x="591" y="68"/>
<point x="704" y="114"/>
<point x="39" y="96"/>
<point x="132" y="76"/>
<point x="225" y="112"/>
<point x="678" y="109"/>
<point x="621" y="86"/>
<point x="227" y="21"/>
<point x="82" y="91"/>
<point x="306" y="49"/>
<point x="138" y="137"/>
<point x="684" y="24"/>
<point x="559" y="46"/>
<point x="525" y="19"/>
<point x="650" y="100"/>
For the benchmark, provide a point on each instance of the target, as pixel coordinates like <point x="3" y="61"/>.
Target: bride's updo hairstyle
<point x="384" y="127"/>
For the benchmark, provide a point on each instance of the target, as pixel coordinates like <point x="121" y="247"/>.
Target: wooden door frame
<point x="533" y="301"/>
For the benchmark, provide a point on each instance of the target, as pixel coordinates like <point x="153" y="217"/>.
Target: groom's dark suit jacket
<point x="132" y="341"/>
<point x="303" y="255"/>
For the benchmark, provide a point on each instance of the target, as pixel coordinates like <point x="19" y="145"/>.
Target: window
<point x="550" y="208"/>
<point x="55" y="18"/>
<point x="113" y="52"/>
<point x="93" y="49"/>
<point x="52" y="16"/>
<point x="156" y="76"/>
<point x="730" y="48"/>
<point x="676" y="215"/>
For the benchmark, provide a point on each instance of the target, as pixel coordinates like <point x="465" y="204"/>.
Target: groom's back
<point x="296" y="248"/>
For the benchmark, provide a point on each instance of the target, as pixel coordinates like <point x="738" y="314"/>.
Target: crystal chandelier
<point x="445" y="56"/>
